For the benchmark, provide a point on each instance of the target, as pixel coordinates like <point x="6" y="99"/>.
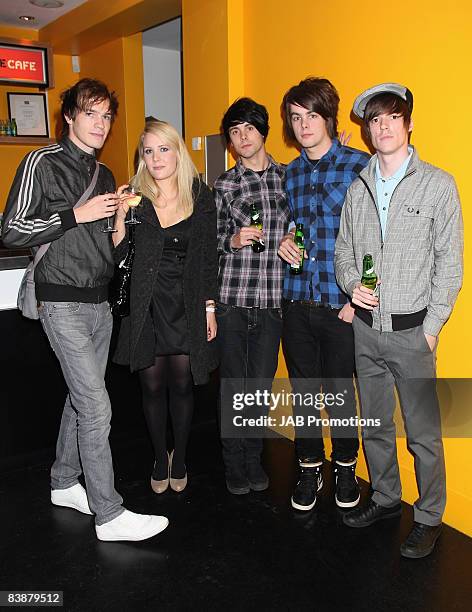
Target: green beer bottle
<point x="257" y="245"/>
<point x="369" y="277"/>
<point x="299" y="240"/>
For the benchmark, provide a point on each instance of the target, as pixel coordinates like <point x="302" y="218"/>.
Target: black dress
<point x="168" y="311"/>
<point x="136" y="345"/>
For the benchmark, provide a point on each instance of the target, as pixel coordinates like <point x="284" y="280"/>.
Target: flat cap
<point x="399" y="90"/>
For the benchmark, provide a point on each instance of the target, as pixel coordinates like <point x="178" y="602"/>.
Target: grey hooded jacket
<point x="419" y="260"/>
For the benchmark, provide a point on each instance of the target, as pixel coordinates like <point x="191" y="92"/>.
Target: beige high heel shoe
<point x="176" y="484"/>
<point x="159" y="486"/>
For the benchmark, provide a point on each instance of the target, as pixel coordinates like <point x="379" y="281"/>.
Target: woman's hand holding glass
<point x="133" y="199"/>
<point x="123" y="205"/>
<point x="120" y="214"/>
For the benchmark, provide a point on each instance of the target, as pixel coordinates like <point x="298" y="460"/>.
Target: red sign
<point x="25" y="65"/>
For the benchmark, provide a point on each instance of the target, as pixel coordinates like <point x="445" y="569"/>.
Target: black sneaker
<point x="308" y="485"/>
<point x="236" y="482"/>
<point x="370" y="514"/>
<point x="347" y="489"/>
<point x="421" y="541"/>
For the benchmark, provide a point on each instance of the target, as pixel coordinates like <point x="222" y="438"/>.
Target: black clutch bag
<point x="120" y="286"/>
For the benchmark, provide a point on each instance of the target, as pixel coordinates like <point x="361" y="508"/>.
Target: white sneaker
<point x="73" y="497"/>
<point x="131" y="526"/>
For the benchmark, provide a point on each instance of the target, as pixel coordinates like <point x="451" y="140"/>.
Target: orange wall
<point x="205" y="68"/>
<point x="119" y="65"/>
<point x="422" y="44"/>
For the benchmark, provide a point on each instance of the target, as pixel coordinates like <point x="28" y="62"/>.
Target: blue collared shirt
<point x="385" y="188"/>
<point x="316" y="196"/>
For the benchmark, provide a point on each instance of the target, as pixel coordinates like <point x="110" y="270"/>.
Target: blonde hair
<point x="186" y="171"/>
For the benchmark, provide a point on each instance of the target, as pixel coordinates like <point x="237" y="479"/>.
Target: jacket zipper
<point x="380" y="230"/>
<point x="381" y="245"/>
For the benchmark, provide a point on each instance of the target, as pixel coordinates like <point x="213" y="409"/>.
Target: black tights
<point x="169" y="373"/>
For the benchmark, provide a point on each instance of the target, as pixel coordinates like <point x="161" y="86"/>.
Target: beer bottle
<point x="257" y="245"/>
<point x="299" y="240"/>
<point x="369" y="277"/>
<point x="14" y="128"/>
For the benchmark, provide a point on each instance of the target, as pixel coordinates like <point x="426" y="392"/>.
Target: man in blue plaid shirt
<point x="317" y="334"/>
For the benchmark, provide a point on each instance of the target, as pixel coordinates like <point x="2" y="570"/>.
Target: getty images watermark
<point x="264" y="408"/>
<point x="286" y="399"/>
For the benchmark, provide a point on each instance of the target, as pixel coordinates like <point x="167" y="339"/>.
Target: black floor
<point x="221" y="552"/>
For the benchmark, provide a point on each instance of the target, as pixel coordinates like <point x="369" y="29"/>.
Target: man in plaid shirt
<point x="317" y="334"/>
<point x="250" y="283"/>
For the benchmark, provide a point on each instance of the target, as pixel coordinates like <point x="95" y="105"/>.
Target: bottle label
<point x="369" y="271"/>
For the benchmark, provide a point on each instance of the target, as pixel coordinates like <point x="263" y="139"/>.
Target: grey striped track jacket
<point x="78" y="265"/>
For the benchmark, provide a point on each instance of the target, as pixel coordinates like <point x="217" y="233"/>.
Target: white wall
<point x="162" y="85"/>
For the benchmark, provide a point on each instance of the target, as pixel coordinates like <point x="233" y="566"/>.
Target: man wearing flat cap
<point x="405" y="213"/>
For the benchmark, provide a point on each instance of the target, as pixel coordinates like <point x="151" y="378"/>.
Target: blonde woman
<point x="169" y="332"/>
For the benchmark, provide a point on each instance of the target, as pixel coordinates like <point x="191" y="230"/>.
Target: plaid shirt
<point x="246" y="278"/>
<point x="316" y="196"/>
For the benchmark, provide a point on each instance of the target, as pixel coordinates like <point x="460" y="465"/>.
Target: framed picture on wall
<point x="25" y="63"/>
<point x="30" y="113"/>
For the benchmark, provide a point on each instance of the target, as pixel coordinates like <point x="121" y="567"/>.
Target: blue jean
<point x="248" y="340"/>
<point x="79" y="334"/>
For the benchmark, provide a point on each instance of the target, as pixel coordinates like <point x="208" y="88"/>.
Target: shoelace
<point x="309" y="475"/>
<point x="345" y="471"/>
<point x="417" y="533"/>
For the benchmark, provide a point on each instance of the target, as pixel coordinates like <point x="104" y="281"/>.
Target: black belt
<point x="313" y="304"/>
<point x="399" y="321"/>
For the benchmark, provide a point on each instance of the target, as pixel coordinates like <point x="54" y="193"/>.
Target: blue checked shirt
<point x="316" y="195"/>
<point x="385" y="188"/>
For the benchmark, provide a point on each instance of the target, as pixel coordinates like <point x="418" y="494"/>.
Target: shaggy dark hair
<point x="317" y="95"/>
<point x="246" y="110"/>
<point x="387" y="103"/>
<point x="82" y="96"/>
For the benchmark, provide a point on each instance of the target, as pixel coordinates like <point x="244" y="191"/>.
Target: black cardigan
<point x="136" y="340"/>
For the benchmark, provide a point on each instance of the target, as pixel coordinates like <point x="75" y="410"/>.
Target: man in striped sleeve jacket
<point x="72" y="290"/>
<point x="405" y="213"/>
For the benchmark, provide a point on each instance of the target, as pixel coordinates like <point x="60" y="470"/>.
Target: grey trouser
<point x="79" y="334"/>
<point x="401" y="358"/>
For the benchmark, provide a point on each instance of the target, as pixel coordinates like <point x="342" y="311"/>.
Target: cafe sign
<point x="24" y="65"/>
